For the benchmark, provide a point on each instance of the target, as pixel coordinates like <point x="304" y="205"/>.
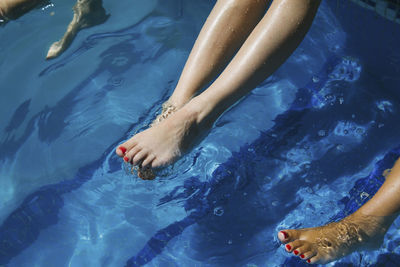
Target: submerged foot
<point x="87" y="13"/>
<point x="336" y="240"/>
<point x="146" y="173"/>
<point x="164" y="142"/>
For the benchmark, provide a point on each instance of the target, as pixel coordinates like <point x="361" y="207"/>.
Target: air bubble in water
<point x="360" y="131"/>
<point x="219" y="211"/>
<point x="385" y="106"/>
<point x="330" y="97"/>
<point x="340" y="147"/>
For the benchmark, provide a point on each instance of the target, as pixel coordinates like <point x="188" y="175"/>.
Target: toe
<point x="315" y="259"/>
<point x="141" y="155"/>
<point x="288" y="248"/>
<point x="288" y="235"/>
<point x="121" y="150"/>
<point x="129" y="144"/>
<point x="132" y="153"/>
<point x="283" y="236"/>
<point x="292" y="246"/>
<point x="148" y="160"/>
<point x="308" y="254"/>
<point x="301" y="250"/>
<point x="296" y="244"/>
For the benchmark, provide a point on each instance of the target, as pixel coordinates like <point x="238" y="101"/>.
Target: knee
<point x="3" y="15"/>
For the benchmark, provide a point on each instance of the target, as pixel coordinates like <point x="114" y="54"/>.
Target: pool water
<point x="304" y="148"/>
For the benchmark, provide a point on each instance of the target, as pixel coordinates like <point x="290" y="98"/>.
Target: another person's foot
<point x="87" y="13"/>
<point x="336" y="240"/>
<point x="165" y="141"/>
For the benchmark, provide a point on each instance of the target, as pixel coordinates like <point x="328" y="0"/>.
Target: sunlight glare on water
<point x="285" y="156"/>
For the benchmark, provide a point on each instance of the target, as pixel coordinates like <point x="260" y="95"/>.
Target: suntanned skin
<point x="269" y="44"/>
<point x="13" y="9"/>
<point x="365" y="228"/>
<point x="87" y="13"/>
<point x="226" y="29"/>
<point x="265" y="42"/>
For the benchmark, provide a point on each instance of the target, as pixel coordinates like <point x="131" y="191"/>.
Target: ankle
<point x="179" y="101"/>
<point x="202" y="110"/>
<point x="371" y="224"/>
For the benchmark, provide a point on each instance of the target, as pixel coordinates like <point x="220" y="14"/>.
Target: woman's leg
<point x="270" y="43"/>
<point x="365" y="228"/>
<point x="227" y="27"/>
<point x="87" y="13"/>
<point x="13" y="9"/>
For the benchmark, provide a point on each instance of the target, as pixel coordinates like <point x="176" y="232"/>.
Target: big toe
<point x="120" y="150"/>
<point x="288" y="235"/>
<point x="124" y="148"/>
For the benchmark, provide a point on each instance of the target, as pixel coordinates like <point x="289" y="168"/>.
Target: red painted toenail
<point x="295" y="252"/>
<point x="123" y="149"/>
<point x="302" y="256"/>
<point x="288" y="247"/>
<point x="285" y="235"/>
<point x="308" y="261"/>
<point x="126" y="159"/>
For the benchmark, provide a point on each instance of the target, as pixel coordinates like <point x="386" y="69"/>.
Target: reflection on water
<point x="221" y="204"/>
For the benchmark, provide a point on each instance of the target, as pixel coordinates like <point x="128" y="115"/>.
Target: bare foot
<point x="87" y="13"/>
<point x="146" y="173"/>
<point x="336" y="240"/>
<point x="165" y="141"/>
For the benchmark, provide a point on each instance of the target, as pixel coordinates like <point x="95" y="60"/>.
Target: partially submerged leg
<point x="364" y="229"/>
<point x="273" y="40"/>
<point x="13" y="9"/>
<point x="87" y="13"/>
<point x="227" y="27"/>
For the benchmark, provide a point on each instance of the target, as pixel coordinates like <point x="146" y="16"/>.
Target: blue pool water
<point x="304" y="148"/>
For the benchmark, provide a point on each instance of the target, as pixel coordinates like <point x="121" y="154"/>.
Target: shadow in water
<point x="240" y="188"/>
<point x="237" y="187"/>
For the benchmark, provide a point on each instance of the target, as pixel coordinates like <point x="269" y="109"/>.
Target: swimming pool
<point x="291" y="154"/>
